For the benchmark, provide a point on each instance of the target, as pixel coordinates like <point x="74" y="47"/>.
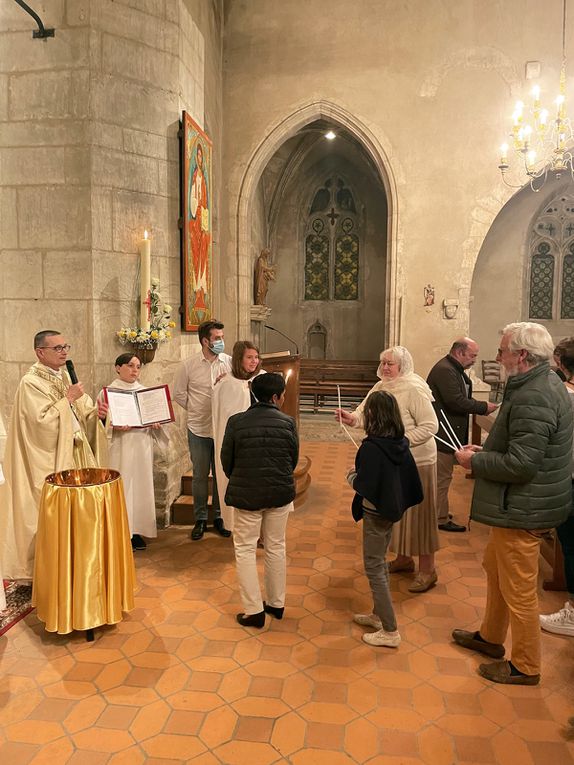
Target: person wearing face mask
<point x="193" y="390"/>
<point x="230" y="396"/>
<point x="416" y="533"/>
<point x="131" y="453"/>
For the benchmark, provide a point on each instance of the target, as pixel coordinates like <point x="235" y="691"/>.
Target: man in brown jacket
<point x="452" y="391"/>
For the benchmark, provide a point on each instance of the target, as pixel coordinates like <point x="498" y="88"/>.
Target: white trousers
<point x="248" y="525"/>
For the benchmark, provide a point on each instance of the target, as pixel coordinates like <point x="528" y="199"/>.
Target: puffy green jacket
<point x="523" y="473"/>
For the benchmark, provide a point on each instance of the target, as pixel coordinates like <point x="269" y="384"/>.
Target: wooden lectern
<point x="290" y="367"/>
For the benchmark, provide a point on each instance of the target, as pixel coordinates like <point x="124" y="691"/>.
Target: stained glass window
<point x="541" y="283"/>
<point x="316" y="267"/>
<point x="567" y="307"/>
<point x="552" y="262"/>
<point x="332" y="244"/>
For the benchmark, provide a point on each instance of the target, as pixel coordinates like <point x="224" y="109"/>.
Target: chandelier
<point x="540" y="138"/>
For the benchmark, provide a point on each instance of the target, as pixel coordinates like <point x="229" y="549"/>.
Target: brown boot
<point x="396" y="565"/>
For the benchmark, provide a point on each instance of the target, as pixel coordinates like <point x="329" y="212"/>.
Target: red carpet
<point x="18" y="603"/>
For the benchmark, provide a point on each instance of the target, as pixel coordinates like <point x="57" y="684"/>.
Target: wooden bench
<point x="319" y="378"/>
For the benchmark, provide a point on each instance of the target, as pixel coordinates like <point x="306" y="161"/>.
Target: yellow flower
<point x="154" y="334"/>
<point x="168" y="335"/>
<point x="132" y="334"/>
<point x="171" y="324"/>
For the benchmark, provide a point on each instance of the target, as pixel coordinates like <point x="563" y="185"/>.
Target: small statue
<point x="264" y="273"/>
<point x="429" y="295"/>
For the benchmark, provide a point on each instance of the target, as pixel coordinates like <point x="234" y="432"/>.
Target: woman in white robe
<point x="232" y="395"/>
<point x="131" y="453"/>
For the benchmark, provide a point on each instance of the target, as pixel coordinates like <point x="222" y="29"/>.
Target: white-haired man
<point x="522" y="489"/>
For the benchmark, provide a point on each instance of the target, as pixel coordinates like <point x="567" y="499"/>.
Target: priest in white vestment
<point x="131" y="453"/>
<point x="54" y="426"/>
<point x="232" y="395"/>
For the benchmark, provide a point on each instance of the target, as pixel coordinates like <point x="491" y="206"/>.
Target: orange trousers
<point x="511" y="565"/>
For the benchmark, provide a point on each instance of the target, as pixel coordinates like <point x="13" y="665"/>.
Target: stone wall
<point x="432" y="85"/>
<point x="89" y="159"/>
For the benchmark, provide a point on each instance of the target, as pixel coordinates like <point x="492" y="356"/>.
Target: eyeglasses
<point x="57" y="348"/>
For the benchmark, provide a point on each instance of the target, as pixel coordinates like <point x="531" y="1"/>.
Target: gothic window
<point x="567" y="308"/>
<point x="332" y="244"/>
<point x="552" y="262"/>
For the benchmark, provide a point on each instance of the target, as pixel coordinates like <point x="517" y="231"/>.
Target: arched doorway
<point x="247" y="242"/>
<point x="501" y="288"/>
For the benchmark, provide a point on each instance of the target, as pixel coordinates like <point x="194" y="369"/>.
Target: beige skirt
<point x="417" y="531"/>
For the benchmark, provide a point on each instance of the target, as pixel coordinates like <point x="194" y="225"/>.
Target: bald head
<point x="465" y="351"/>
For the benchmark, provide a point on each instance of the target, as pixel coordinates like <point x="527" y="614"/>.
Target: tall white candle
<point x="145" y="270"/>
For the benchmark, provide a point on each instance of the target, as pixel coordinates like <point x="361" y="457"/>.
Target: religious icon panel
<point x="196" y="201"/>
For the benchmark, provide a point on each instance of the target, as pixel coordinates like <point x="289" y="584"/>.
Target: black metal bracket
<point x="42" y="33"/>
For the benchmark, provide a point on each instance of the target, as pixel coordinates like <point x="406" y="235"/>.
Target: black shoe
<point x="138" y="543"/>
<point x="273" y="610"/>
<point x="253" y="620"/>
<point x="220" y="528"/>
<point x="474" y="641"/>
<point x="451" y="526"/>
<point x="198" y="530"/>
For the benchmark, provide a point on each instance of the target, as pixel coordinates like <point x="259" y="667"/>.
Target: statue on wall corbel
<point x="264" y="273"/>
<point x="428" y="295"/>
<point x="450" y="307"/>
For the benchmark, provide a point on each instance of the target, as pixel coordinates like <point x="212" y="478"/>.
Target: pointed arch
<point x="261" y="156"/>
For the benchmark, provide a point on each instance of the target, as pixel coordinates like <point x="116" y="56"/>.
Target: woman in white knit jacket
<point x="417" y="533"/>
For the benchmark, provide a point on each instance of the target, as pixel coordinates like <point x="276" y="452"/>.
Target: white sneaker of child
<point x="382" y="637"/>
<point x="560" y="623"/>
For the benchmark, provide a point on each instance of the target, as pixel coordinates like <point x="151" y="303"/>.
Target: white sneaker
<point x="560" y="623"/>
<point x="381" y="637"/>
<point x="368" y="620"/>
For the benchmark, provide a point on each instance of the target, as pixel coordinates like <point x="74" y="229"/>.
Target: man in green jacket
<point x="522" y="489"/>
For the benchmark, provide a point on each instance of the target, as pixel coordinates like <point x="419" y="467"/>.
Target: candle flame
<point x="145" y="234"/>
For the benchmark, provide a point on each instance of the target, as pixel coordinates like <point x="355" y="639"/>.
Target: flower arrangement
<point x="160" y="323"/>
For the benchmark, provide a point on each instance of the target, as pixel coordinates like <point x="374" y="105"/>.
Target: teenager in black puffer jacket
<point x="259" y="454"/>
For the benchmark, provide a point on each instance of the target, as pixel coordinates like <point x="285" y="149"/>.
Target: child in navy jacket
<point x="387" y="483"/>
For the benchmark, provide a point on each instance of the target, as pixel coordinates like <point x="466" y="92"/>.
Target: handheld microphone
<point x="71" y="371"/>
<point x="268" y="326"/>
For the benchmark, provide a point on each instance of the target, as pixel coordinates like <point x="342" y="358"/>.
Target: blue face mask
<point x="218" y="346"/>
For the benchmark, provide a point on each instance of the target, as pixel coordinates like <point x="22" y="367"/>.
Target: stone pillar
<point x="89" y="154"/>
<point x="259" y="317"/>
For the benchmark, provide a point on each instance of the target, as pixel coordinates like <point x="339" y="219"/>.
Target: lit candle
<point x="145" y="269"/>
<point x="543" y="116"/>
<point x="536" y="94"/>
<point x="504" y="154"/>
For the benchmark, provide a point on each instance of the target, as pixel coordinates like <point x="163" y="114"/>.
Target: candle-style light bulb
<point x="536" y="92"/>
<point x="504" y="154"/>
<point x="543" y="116"/>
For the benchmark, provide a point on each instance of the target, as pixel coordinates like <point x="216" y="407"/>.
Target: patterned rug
<point x="18" y="604"/>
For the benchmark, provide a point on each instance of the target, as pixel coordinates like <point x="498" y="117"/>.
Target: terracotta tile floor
<point x="179" y="681"/>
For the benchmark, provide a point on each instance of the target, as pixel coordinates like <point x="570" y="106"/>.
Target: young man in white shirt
<point x="193" y="387"/>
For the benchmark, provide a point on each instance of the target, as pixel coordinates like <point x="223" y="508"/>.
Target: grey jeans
<point x="376" y="538"/>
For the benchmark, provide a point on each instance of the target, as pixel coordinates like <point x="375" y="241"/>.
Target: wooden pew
<point x="320" y="377"/>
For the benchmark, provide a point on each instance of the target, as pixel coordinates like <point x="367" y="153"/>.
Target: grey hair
<point x="402" y="357"/>
<point x="532" y="338"/>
